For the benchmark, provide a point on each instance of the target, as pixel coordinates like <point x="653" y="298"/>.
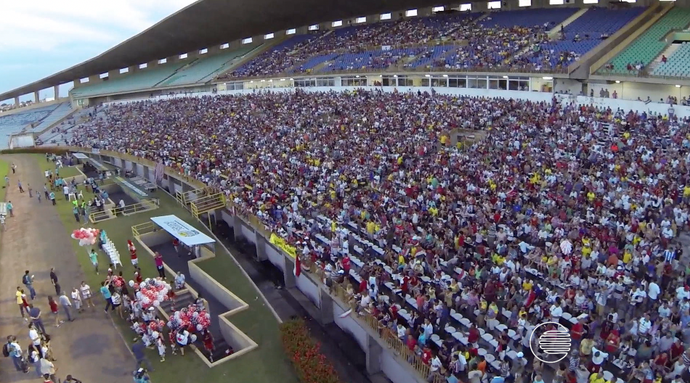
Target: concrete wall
<point x="223" y="295"/>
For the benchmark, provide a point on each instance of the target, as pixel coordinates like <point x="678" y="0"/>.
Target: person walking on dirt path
<point x="105" y="291"/>
<point x="54" y="281"/>
<point x="86" y="294"/>
<point x="28" y="281"/>
<point x="35" y="315"/>
<point x="19" y="184"/>
<point x="93" y="256"/>
<point x="7" y="181"/>
<point x="21" y="302"/>
<point x="28" y="186"/>
<point x="10" y="208"/>
<point x="66" y="306"/>
<point x="139" y="351"/>
<point x="14" y="168"/>
<point x="52" y="197"/>
<point x="15" y="352"/>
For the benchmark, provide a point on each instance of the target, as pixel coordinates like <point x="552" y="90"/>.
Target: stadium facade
<point x="187" y="54"/>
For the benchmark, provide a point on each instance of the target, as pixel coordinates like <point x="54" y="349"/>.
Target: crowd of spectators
<point x="562" y="213"/>
<point x="474" y="43"/>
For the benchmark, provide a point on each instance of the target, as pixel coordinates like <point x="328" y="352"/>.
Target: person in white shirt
<point x="402" y="331"/>
<point x="644" y="324"/>
<point x="76" y="299"/>
<point x="598" y="358"/>
<point x="428" y="328"/>
<point x="34" y="336"/>
<point x="653" y="291"/>
<point x="556" y="310"/>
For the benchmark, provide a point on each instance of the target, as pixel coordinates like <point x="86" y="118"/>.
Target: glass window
<point x="556" y="2"/>
<point x="524" y="3"/>
<point x="494" y="5"/>
<point x="465" y="7"/>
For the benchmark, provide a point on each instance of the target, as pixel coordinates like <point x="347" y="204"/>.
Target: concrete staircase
<point x="667" y="52"/>
<point x="184" y="299"/>
<point x="554" y="32"/>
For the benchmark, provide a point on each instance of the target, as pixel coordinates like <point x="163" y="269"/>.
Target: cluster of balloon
<point x="190" y="318"/>
<point x="86" y="237"/>
<point x="151" y="292"/>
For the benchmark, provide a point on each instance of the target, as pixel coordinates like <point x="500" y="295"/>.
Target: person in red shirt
<point x="54" y="309"/>
<point x="176" y="245"/>
<point x="411" y="341"/>
<point x="133" y="253"/>
<point x="426" y="355"/>
<point x="394" y="312"/>
<point x="577" y="331"/>
<point x="363" y="286"/>
<point x="346" y="264"/>
<point x="473" y="335"/>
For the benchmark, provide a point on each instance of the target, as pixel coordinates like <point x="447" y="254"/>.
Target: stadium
<point x="362" y="192"/>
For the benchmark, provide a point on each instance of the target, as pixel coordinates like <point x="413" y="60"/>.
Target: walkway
<point x="90" y="348"/>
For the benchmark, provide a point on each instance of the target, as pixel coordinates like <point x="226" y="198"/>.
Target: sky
<point x="41" y="37"/>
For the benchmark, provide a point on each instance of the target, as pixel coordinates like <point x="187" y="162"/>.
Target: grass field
<point x="265" y="364"/>
<point x="4" y="170"/>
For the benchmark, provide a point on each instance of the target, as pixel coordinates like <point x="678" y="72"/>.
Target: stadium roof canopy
<point x="206" y="23"/>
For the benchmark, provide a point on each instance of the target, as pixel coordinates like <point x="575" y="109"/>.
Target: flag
<point x="159" y="171"/>
<point x="346" y="313"/>
<point x="298" y="266"/>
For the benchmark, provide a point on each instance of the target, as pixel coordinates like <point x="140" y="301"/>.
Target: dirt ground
<point x="90" y="348"/>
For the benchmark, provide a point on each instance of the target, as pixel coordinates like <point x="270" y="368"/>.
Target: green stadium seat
<point x="651" y="43"/>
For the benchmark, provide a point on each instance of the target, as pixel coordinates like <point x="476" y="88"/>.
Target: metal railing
<point x="388" y="337"/>
<point x="143" y="228"/>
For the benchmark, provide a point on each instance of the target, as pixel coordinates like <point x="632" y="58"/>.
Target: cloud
<point x="38" y="31"/>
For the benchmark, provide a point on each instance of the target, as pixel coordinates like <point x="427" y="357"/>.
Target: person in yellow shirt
<point x="597" y="377"/>
<point x="627" y="257"/>
<point x="20" y="301"/>
<point x="527" y="285"/>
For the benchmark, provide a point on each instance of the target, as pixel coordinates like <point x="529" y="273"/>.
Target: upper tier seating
<point x="678" y="65"/>
<point x="204" y="68"/>
<point x="651" y="43"/>
<point x="61" y="111"/>
<point x="142" y="79"/>
<point x="500" y="41"/>
<point x="580" y="36"/>
<point x="302" y="53"/>
<point x="22" y="120"/>
<point x="277" y="59"/>
<point x="547" y="18"/>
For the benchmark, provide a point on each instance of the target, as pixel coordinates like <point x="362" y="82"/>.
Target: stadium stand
<point x="651" y="44"/>
<point x="142" y="79"/>
<point x="205" y="68"/>
<point x="473" y="246"/>
<point x="60" y="112"/>
<point x="677" y="65"/>
<point x="41" y="118"/>
<point x="579" y="37"/>
<point x="507" y="40"/>
<point x="545" y="18"/>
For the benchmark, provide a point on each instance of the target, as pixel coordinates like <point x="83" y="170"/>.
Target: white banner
<point x="181" y="230"/>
